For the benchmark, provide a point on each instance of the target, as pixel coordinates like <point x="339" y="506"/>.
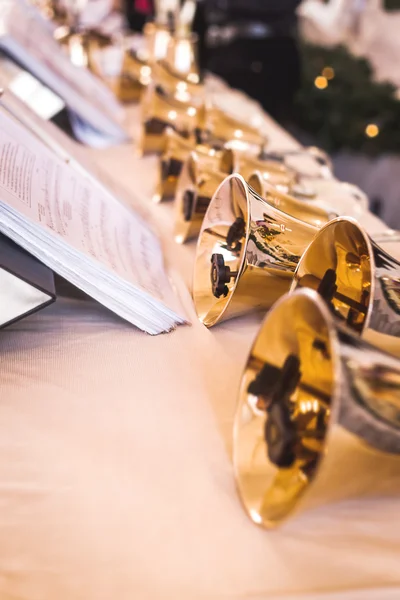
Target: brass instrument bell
<point x="246" y="254"/>
<point x="318" y="416"/>
<point x="200" y="177"/>
<point x="177" y="150"/>
<point x="359" y="281"/>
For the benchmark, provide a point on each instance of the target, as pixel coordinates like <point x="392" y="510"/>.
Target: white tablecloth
<point x="115" y="465"/>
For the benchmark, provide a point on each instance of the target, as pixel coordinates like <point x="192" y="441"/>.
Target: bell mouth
<point x="284" y="408"/>
<point x="228" y="163"/>
<point x="186" y="200"/>
<point x="221" y="249"/>
<point x="337" y="264"/>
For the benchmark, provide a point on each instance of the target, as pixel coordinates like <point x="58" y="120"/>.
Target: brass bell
<point x="245" y="163"/>
<point x="177" y="151"/>
<point x="359" y="281"/>
<point x="160" y="111"/>
<point x="210" y="170"/>
<point x="318" y="417"/>
<point x="200" y="177"/>
<point x="304" y="211"/>
<point x="246" y="254"/>
<point x="223" y="128"/>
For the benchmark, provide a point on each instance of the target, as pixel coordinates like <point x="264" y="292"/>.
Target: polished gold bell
<point x="307" y="212"/>
<point x="246" y="254"/>
<point x="177" y="151"/>
<point x="223" y="128"/>
<point x="160" y="111"/>
<point x="138" y="64"/>
<point x="200" y="177"/>
<point x="318" y="416"/>
<point x="213" y="125"/>
<point x="359" y="281"/>
<point x="245" y="163"/>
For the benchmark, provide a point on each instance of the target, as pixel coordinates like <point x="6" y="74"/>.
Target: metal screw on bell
<point x="165" y="163"/>
<point x="275" y="386"/>
<point x="188" y="204"/>
<point x="235" y="233"/>
<point x="280" y="436"/>
<point x="220" y="275"/>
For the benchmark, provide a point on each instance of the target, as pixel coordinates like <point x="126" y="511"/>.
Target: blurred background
<point x="327" y="70"/>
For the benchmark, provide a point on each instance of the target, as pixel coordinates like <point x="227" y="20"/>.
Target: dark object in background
<point x="253" y="45"/>
<point x="138" y="12"/>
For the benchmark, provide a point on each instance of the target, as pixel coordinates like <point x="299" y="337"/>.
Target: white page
<point x="76" y="211"/>
<point x="26" y="36"/>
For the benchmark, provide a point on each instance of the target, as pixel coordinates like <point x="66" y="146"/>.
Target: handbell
<point x="359" y="281"/>
<point x="318" y="416"/>
<point x="245" y="163"/>
<point x="200" y="177"/>
<point x="160" y="111"/>
<point x="304" y="211"/>
<point x="212" y="172"/>
<point x="246" y="254"/>
<point x="223" y="127"/>
<point x="177" y="151"/>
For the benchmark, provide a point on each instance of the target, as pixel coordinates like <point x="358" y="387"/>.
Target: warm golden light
<point x="328" y="73"/>
<point x="321" y="82"/>
<point x="372" y="130"/>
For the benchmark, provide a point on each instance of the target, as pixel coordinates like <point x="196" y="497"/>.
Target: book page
<point x="26" y="36"/>
<point x="52" y="194"/>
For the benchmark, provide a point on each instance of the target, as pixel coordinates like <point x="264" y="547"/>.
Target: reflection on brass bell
<point x="318" y="415"/>
<point x="177" y="150"/>
<point x="304" y="211"/>
<point x="358" y="280"/>
<point x="263" y="252"/>
<point x="200" y="176"/>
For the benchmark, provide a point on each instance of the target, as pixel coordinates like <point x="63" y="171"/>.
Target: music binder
<point x="26" y="285"/>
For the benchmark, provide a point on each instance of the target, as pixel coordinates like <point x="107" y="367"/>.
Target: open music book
<point x="28" y="38"/>
<point x="64" y="217"/>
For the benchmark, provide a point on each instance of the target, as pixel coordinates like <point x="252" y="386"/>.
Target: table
<point x="115" y="466"/>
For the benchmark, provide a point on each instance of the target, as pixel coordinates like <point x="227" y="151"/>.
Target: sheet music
<point x="26" y="36"/>
<point x="72" y="222"/>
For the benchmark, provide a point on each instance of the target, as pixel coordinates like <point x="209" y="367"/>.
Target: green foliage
<point x="338" y="115"/>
